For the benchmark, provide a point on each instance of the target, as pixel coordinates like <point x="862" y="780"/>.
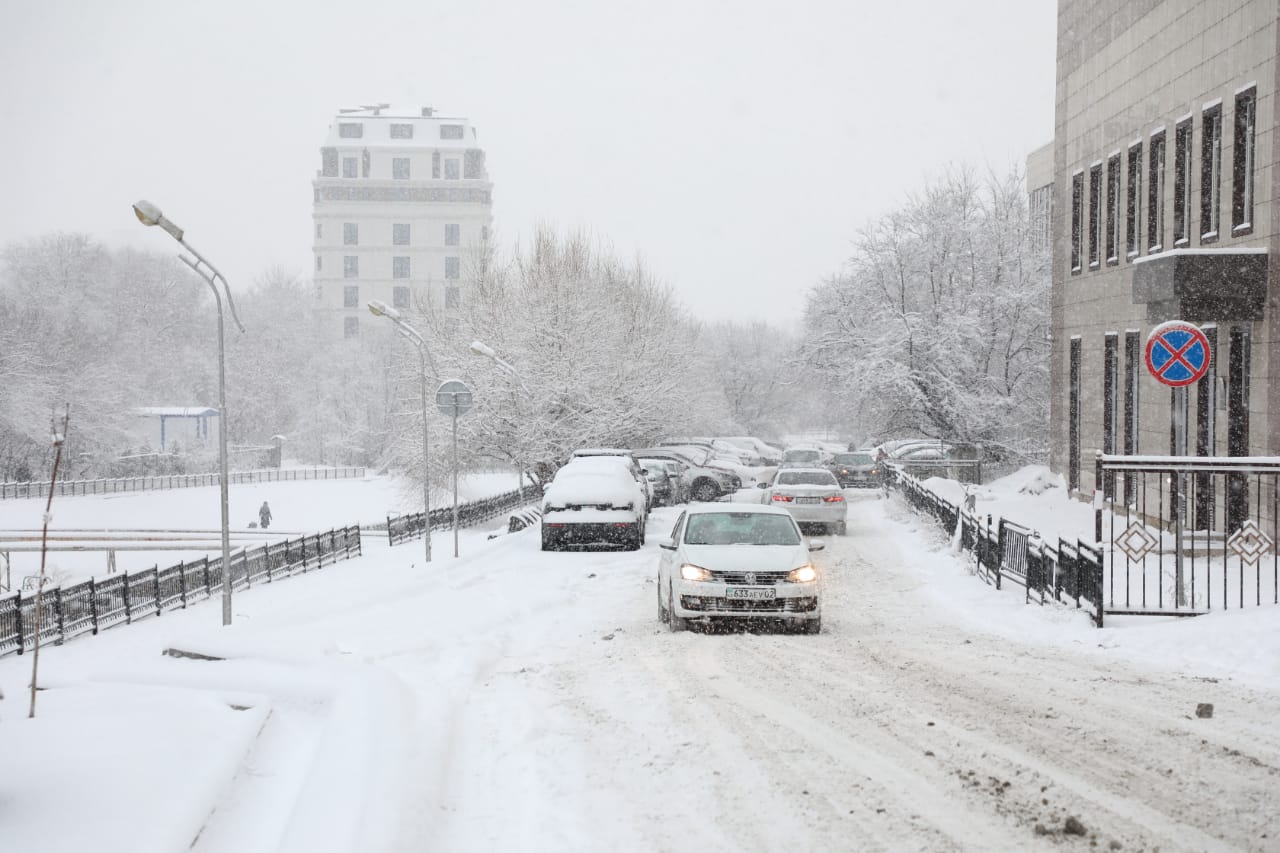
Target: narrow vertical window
<point x="1210" y="173"/>
<point x="1133" y="360"/>
<point x="1095" y="213"/>
<point x="1073" y="419"/>
<point x="400" y="297"/>
<point x="399" y="267"/>
<point x="452" y="268"/>
<point x="451" y="297"/>
<point x="452" y="234"/>
<point x="1238" y="424"/>
<point x="350" y="327"/>
<point x="1242" y="162"/>
<point x="1113" y="209"/>
<point x="1155" y="193"/>
<point x="1206" y="437"/>
<point x="350" y="167"/>
<point x="1110" y="377"/>
<point x="350" y="234"/>
<point x="350" y="266"/>
<point x="1077" y="216"/>
<point x="400" y="234"/>
<point x="1182" y="184"/>
<point x="400" y="168"/>
<point x="1133" y="202"/>
<point x="351" y="296"/>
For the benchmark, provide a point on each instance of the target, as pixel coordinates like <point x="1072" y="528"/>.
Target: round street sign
<point x="453" y="398"/>
<point x="1178" y="353"/>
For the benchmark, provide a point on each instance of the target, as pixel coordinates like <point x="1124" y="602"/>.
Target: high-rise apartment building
<point x="401" y="199"/>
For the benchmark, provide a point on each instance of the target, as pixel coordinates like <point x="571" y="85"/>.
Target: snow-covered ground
<point x="514" y="699"/>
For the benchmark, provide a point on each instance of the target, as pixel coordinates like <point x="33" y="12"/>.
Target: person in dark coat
<point x="264" y="515"/>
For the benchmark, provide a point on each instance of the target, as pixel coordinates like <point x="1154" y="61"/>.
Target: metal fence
<point x="1006" y="551"/>
<point x="9" y="491"/>
<point x="92" y="606"/>
<point x="402" y="528"/>
<point x="1189" y="534"/>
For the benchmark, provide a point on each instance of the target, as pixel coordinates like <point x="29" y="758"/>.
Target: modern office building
<point x="401" y="199"/>
<point x="1165" y="185"/>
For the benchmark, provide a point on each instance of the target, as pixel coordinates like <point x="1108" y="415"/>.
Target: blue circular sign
<point x="1178" y="353"/>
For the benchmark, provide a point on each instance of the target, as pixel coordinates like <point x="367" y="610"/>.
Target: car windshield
<point x="853" y="459"/>
<point x="802" y="456"/>
<point x="806" y="478"/>
<point x="741" y="528"/>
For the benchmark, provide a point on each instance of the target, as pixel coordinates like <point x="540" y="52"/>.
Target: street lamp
<point x="382" y="309"/>
<point x="149" y="214"/>
<point x="481" y="348"/>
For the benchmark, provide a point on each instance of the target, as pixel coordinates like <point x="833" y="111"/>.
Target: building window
<point x="1242" y="162"/>
<point x="451" y="297"/>
<point x="451" y="268"/>
<point x="1110" y="380"/>
<point x="350" y="327"/>
<point x="1238" y="422"/>
<point x="400" y="297"/>
<point x="1210" y="173"/>
<point x="435" y="165"/>
<point x="1133" y="201"/>
<point x="365" y="163"/>
<point x="473" y="163"/>
<point x="452" y="234"/>
<point x="400" y="168"/>
<point x="402" y="131"/>
<point x="350" y="130"/>
<point x="350" y="168"/>
<point x="399" y="267"/>
<point x="1073" y="418"/>
<point x="317" y="263"/>
<point x="400" y="234"/>
<point x="350" y="234"/>
<point x="450" y="131"/>
<point x="1113" y="208"/>
<point x="329" y="162"/>
<point x="1182" y="184"/>
<point x="350" y="266"/>
<point x="1077" y="201"/>
<point x="1095" y="213"/>
<point x="1133" y="361"/>
<point x="319" y="230"/>
<point x="452" y="169"/>
<point x="351" y="296"/>
<point x="1155" y="193"/>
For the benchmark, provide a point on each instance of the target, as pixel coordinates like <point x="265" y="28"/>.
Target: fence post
<point x="303" y="542"/>
<point x="57" y="609"/>
<point x="1097" y="497"/>
<point x="999" y="547"/>
<point x="156" y="583"/>
<point x="93" y="605"/>
<point x="18" y="617"/>
<point x="182" y="581"/>
<point x="128" y="609"/>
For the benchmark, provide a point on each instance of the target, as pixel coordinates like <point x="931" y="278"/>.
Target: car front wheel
<point x="663" y="615"/>
<point x="674" y="622"/>
<point x="704" y="491"/>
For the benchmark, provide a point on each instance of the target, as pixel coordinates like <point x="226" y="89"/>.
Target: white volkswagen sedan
<point x="811" y="495"/>
<point x="738" y="561"/>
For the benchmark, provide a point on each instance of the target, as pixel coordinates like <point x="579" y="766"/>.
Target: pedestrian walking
<point x="264" y="515"/>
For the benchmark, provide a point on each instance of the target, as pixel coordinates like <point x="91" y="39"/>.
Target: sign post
<point x="453" y="398"/>
<point x="1177" y="355"/>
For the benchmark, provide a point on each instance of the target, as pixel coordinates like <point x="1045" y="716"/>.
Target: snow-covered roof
<point x="428" y="129"/>
<point x="176" y="411"/>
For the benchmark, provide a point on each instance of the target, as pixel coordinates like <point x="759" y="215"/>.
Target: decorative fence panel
<point x="92" y="606"/>
<point x="10" y="491"/>
<point x="402" y="528"/>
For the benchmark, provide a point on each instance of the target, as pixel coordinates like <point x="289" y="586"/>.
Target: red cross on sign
<point x="1178" y="353"/>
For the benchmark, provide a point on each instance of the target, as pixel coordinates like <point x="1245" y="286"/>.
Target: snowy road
<point x="581" y="723"/>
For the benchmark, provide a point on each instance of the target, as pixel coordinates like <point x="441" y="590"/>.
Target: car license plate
<point x="750" y="593"/>
<point x="808" y="500"/>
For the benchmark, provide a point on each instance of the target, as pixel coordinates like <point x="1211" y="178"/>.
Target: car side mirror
<point x="667" y="546"/>
<point x="817" y="545"/>
<point x="764" y="485"/>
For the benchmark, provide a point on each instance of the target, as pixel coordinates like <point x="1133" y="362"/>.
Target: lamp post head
<point x="480" y="348"/>
<point x="149" y="214"/>
<point x="379" y="308"/>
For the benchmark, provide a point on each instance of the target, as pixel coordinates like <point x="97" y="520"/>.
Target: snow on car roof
<point x="735" y="508"/>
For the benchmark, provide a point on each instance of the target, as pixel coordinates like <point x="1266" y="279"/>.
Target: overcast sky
<point x="735" y="146"/>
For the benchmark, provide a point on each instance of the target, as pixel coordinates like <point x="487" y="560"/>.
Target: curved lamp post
<point x="409" y="333"/>
<point x="149" y="214"/>
<point x="483" y="349"/>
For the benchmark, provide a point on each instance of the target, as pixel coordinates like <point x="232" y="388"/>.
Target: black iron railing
<point x="9" y="491"/>
<point x="402" y="528"/>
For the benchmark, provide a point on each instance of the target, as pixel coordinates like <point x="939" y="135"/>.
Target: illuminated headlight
<point x="804" y="574"/>
<point x="690" y="572"/>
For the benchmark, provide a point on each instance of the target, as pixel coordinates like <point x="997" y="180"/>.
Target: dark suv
<point x="856" y="469"/>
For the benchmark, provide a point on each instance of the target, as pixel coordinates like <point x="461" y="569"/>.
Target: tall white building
<point x="400" y="199"/>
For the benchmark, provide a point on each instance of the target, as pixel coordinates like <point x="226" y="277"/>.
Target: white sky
<point x="736" y="146"/>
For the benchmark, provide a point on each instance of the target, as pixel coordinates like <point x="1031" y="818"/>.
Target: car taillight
<point x="833" y="499"/>
<point x="784" y="498"/>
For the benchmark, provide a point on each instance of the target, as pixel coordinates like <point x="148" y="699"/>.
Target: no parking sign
<point x="1178" y="353"/>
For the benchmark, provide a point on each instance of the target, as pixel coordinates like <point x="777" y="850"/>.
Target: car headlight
<point x="690" y="572"/>
<point x="803" y="574"/>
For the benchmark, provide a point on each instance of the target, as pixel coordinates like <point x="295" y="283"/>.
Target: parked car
<point x="593" y="501"/>
<point x="767" y="453"/>
<point x="705" y="478"/>
<point x="811" y="495"/>
<point x="734" y="562"/>
<point x="664" y="477"/>
<point x="637" y="471"/>
<point x="802" y="457"/>
<point x="857" y="469"/>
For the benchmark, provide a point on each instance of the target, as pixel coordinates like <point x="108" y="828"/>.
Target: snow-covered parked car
<point x="811" y="495"/>
<point x="705" y="477"/>
<point x="594" y="500"/>
<point x="738" y="562"/>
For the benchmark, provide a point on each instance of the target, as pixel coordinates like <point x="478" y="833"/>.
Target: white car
<point x="593" y="501"/>
<point x="735" y="561"/>
<point x="811" y="495"/>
